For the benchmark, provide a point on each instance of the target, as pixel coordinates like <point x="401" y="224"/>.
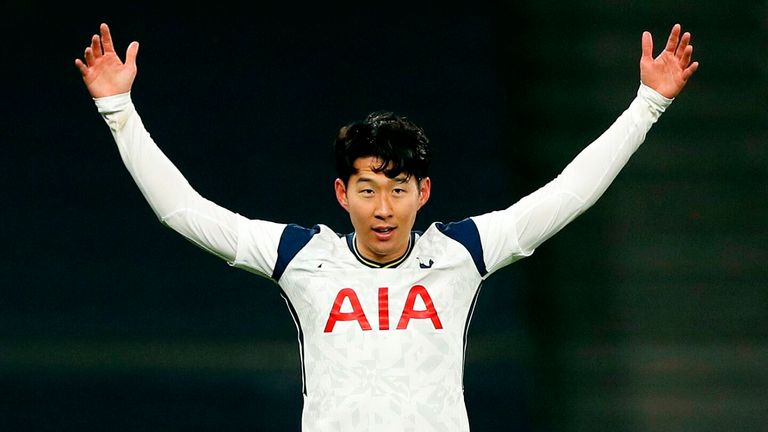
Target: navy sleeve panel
<point x="466" y="233"/>
<point x="293" y="239"/>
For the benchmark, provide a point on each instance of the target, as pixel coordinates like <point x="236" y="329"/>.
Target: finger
<point x="96" y="46"/>
<point x="81" y="66"/>
<point x="131" y="52"/>
<point x="89" y="59"/>
<point x="647" y="44"/>
<point x="674" y="37"/>
<point x="106" y="38"/>
<point x="688" y="72"/>
<point x="684" y="42"/>
<point x="685" y="60"/>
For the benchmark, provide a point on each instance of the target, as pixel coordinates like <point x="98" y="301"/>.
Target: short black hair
<point x="401" y="145"/>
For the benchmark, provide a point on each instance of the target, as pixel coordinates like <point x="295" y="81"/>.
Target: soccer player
<point x="382" y="313"/>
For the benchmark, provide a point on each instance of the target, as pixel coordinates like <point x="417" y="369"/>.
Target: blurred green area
<point x="652" y="308"/>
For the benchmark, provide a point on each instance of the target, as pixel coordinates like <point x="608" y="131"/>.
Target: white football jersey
<point x="382" y="348"/>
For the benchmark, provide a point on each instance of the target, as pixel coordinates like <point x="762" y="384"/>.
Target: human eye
<point x="366" y="192"/>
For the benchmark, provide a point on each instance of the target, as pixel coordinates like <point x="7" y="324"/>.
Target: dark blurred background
<point x="649" y="312"/>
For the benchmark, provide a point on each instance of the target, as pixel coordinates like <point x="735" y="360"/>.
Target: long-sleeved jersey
<point x="382" y="348"/>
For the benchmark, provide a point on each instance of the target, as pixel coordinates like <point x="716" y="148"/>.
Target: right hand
<point x="103" y="72"/>
<point x="669" y="71"/>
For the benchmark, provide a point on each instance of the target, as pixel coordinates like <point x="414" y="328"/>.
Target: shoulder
<point x="463" y="234"/>
<point x="296" y="239"/>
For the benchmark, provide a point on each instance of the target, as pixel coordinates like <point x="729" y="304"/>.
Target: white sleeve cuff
<point x="114" y="103"/>
<point x="654" y="98"/>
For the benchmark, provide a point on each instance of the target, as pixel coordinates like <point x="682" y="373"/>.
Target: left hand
<point x="669" y="72"/>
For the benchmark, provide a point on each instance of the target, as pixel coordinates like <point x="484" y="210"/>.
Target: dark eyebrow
<point x="402" y="178"/>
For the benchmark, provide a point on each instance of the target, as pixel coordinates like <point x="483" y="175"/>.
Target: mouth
<point x="383" y="232"/>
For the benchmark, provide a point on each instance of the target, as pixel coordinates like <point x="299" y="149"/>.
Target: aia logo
<point x="357" y="313"/>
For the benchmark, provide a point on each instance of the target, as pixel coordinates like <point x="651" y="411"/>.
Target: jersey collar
<point x="373" y="264"/>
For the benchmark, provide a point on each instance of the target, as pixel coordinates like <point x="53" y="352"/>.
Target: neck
<point x="376" y="261"/>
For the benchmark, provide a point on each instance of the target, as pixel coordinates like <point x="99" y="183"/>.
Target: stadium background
<point x="649" y="312"/>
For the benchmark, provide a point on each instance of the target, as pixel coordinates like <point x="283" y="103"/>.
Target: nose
<point x="383" y="208"/>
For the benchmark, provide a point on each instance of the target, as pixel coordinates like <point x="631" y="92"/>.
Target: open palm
<point x="670" y="70"/>
<point x="103" y="72"/>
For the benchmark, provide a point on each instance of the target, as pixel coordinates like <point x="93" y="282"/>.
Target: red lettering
<point x="383" y="308"/>
<point x="357" y="313"/>
<point x="409" y="313"/>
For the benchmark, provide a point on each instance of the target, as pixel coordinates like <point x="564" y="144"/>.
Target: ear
<point x="341" y="193"/>
<point x="425" y="189"/>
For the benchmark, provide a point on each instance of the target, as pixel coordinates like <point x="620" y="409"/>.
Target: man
<point x="382" y="312"/>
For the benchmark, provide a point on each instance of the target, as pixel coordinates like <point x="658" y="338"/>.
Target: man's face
<point x="382" y="209"/>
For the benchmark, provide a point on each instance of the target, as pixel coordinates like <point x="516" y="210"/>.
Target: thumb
<point x="130" y="54"/>
<point x="647" y="45"/>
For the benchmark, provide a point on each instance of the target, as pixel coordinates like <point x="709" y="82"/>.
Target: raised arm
<point x="514" y="233"/>
<point x="174" y="201"/>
